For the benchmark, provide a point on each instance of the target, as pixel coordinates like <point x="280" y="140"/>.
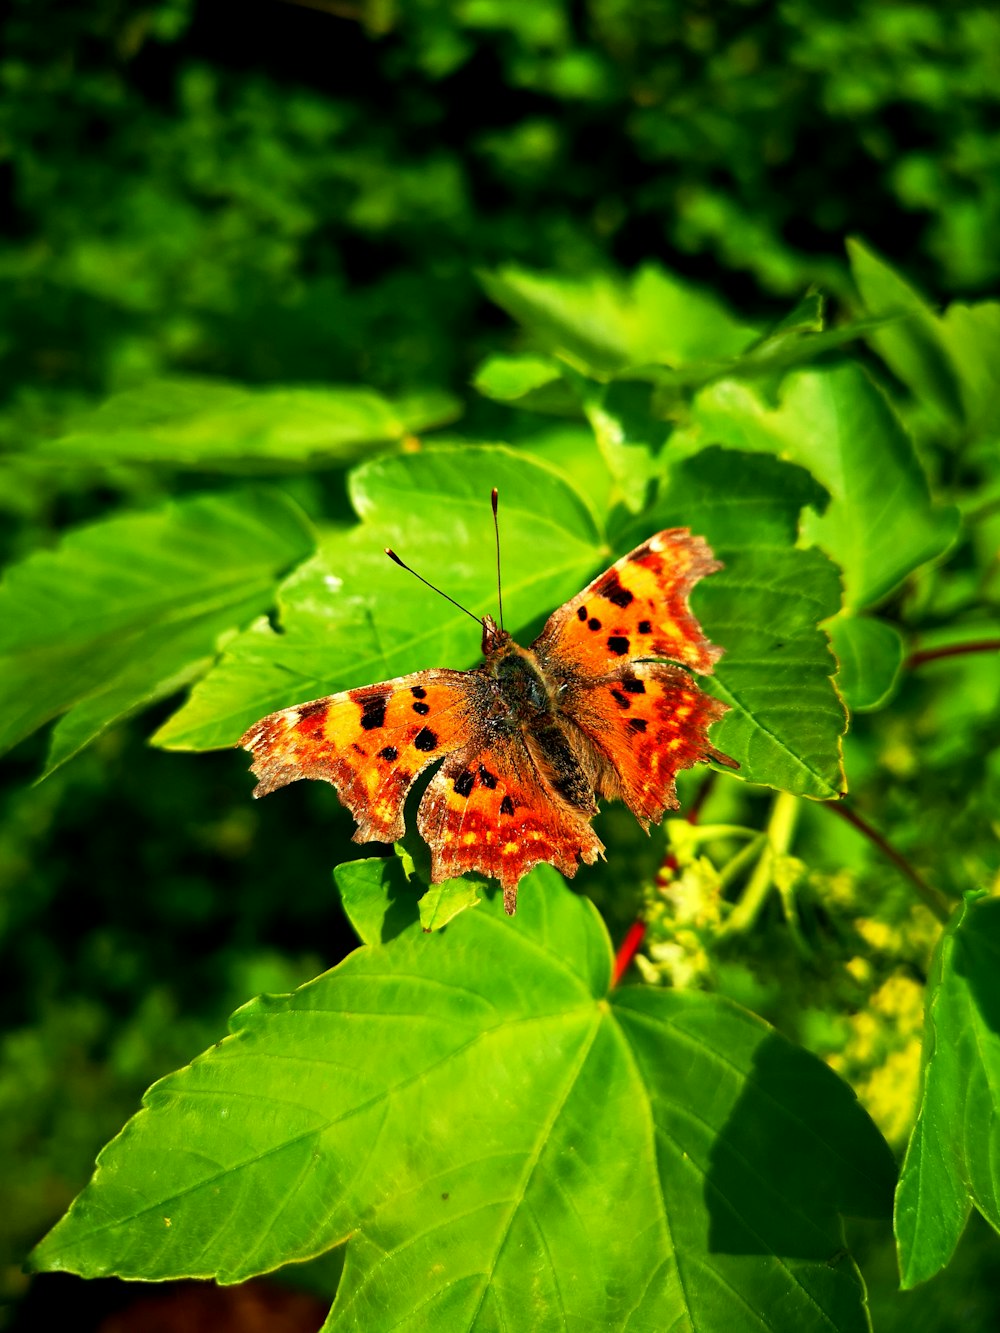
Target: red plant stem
<point x="932" y="897"/>
<point x="629" y="949"/>
<point x="637" y="930"/>
<point x="923" y="655"/>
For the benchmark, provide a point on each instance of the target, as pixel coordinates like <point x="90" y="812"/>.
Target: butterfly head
<point x="494" y="638"/>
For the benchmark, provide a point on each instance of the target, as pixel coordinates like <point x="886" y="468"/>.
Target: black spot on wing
<point x="373" y="712"/>
<point x="418" y="692"/>
<point x="637" y="723"/>
<point x="506" y="806"/>
<point x="389" y="753"/>
<point x="633" y="686"/>
<point x="610" y="587"/>
<point x="465" y="782"/>
<point x="422" y="709"/>
<point x="618" y="645"/>
<point x="581" y="613"/>
<point x="594" y="624"/>
<point x="621" y="699"/>
<point x="645" y="627"/>
<point x="425" y="740"/>
<point x="488" y="779"/>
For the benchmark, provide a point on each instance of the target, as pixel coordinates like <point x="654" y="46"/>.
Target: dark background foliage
<point x="275" y="192"/>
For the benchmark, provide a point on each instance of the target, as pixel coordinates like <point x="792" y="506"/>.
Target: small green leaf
<point x="505" y="1143"/>
<point x="951" y="1162"/>
<point x="379" y="900"/>
<point x="870" y="654"/>
<point x="881" y="522"/>
<point x="786" y="720"/>
<point x="350" y="616"/>
<point x="443" y="902"/>
<point x="209" y="423"/>
<point x="533" y="382"/>
<point x="125" y="612"/>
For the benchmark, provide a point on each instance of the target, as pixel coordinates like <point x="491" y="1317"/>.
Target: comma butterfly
<point x="532" y="736"/>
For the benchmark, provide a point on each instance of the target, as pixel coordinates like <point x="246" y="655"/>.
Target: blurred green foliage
<point x="294" y="200"/>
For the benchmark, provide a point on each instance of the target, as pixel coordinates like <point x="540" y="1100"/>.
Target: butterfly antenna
<point x="393" y="556"/>
<point x="496" y="529"/>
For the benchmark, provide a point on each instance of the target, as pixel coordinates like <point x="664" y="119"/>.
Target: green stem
<point x="779" y="833"/>
<point x="743" y="859"/>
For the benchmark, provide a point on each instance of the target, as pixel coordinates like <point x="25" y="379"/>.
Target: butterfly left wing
<point x="370" y="743"/>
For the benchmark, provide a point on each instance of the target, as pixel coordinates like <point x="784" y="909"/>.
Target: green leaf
<point x="881" y="522"/>
<point x="443" y="902"/>
<point x="504" y="1143"/>
<point x="209" y="423"/>
<point x="603" y="324"/>
<point x="533" y="382"/>
<point x="870" y="654"/>
<point x="378" y="905"/>
<point x="786" y="720"/>
<point x="350" y="617"/>
<point x="912" y="342"/>
<point x="949" y="361"/>
<point x="124" y="612"/>
<point x="951" y="1163"/>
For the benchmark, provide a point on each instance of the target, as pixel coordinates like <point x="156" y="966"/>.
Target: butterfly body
<point x="530" y="738"/>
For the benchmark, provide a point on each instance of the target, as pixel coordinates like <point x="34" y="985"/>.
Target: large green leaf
<point x="210" y="423"/>
<point x="953" y="1160"/>
<point x="126" y="611"/>
<point x="786" y="720"/>
<point x="350" y="617"/>
<point x="881" y="522"/>
<point x="504" y="1143"/>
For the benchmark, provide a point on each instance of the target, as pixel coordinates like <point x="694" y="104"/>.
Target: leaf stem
<point x="923" y="655"/>
<point x="931" y="897"/>
<point x="779" y="833"/>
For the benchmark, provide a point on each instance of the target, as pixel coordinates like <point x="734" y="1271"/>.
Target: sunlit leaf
<point x="604" y="324"/>
<point x="880" y="523"/>
<point x="350" y="617"/>
<point x="126" y="611"/>
<point x="208" y="423"/>
<point x="505" y="1143"/>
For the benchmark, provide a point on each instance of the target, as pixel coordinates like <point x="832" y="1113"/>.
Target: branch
<point x="923" y="655"/>
<point x="932" y="898"/>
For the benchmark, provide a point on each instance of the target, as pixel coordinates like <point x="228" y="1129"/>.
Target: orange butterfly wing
<point x="370" y="743"/>
<point x="646" y="720"/>
<point x="636" y="609"/>
<point x="488" y="810"/>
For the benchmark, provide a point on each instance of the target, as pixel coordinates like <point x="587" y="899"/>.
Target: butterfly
<point x="530" y="738"/>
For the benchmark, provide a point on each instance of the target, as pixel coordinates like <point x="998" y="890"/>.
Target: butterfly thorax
<point x="523" y="702"/>
<point x="520" y="683"/>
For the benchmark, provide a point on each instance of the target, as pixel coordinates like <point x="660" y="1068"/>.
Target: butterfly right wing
<point x="370" y="743"/>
